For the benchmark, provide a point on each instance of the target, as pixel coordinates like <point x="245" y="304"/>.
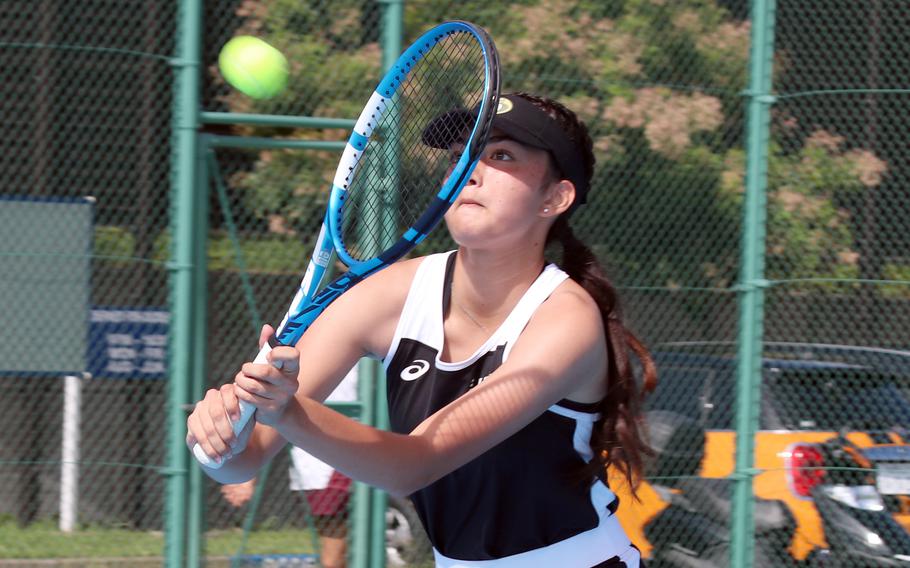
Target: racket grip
<point x="247" y="412"/>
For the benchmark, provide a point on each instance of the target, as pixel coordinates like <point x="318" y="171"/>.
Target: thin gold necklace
<point x="470" y="317"/>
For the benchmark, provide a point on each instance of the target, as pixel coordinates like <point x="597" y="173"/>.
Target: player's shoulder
<point x="570" y="304"/>
<point x="571" y="294"/>
<point x="376" y="304"/>
<point x="398" y="273"/>
<point x="393" y="281"/>
<point x="566" y="336"/>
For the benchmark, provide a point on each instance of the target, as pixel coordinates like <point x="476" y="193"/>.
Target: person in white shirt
<point x="327" y="490"/>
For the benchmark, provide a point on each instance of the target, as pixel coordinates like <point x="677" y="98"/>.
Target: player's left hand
<point x="269" y="387"/>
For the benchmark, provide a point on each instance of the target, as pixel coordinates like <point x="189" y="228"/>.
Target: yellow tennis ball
<point x="253" y="67"/>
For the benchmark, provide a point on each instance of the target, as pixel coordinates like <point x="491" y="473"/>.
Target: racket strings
<point x="398" y="176"/>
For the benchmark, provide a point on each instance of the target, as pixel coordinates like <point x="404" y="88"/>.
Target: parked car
<point x="406" y="543"/>
<point x="832" y="447"/>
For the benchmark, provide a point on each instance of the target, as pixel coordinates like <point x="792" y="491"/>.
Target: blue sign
<point x="128" y="343"/>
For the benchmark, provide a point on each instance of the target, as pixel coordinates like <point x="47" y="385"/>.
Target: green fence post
<point x="752" y="283"/>
<point x="360" y="557"/>
<point x="183" y="162"/>
<point x="199" y="357"/>
<point x="392" y="18"/>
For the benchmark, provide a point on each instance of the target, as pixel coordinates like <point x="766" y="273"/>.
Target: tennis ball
<point x="253" y="67"/>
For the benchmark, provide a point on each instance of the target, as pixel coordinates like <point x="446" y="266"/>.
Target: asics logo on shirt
<point x="415" y="370"/>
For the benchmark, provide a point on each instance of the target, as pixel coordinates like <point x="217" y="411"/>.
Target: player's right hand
<point x="269" y="386"/>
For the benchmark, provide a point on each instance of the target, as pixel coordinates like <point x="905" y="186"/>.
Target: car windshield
<point x="831" y="401"/>
<point x="796" y="395"/>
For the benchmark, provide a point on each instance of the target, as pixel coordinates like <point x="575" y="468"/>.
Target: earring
<point x="546" y="209"/>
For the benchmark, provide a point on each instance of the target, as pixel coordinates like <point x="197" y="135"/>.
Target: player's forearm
<point x="394" y="462"/>
<point x="244" y="465"/>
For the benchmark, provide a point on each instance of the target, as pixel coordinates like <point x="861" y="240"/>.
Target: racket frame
<point x="307" y="303"/>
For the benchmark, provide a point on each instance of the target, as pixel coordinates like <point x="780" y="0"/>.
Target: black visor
<point x="522" y="121"/>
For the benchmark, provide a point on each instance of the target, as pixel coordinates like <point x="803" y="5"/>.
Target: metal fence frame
<point x="191" y="180"/>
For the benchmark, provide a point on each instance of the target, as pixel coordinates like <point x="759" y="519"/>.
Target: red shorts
<point x="333" y="500"/>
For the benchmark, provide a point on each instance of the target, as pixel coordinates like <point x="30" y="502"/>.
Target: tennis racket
<point x="392" y="186"/>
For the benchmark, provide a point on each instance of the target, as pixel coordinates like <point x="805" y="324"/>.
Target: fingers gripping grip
<point x="247" y="410"/>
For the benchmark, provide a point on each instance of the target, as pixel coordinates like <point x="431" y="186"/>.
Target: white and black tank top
<point x="521" y="503"/>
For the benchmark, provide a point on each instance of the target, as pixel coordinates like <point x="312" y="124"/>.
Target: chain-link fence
<point x="807" y="256"/>
<point x="84" y="130"/>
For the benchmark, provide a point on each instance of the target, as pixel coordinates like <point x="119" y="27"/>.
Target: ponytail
<point x="617" y="439"/>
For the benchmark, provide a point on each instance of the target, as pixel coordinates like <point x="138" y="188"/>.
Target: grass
<point x="44" y="540"/>
<point x="274" y="541"/>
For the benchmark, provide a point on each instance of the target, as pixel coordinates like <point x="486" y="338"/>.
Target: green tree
<point x="810" y="234"/>
<point x="660" y="84"/>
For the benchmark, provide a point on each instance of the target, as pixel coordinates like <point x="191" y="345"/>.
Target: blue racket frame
<point x="307" y="303"/>
<point x="305" y="312"/>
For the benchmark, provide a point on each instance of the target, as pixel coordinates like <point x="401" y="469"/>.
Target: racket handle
<point x="247" y="412"/>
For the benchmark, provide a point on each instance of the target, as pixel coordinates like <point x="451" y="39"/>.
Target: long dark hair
<point x="618" y="439"/>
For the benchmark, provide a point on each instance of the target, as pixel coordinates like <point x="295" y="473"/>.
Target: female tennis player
<point x="510" y="382"/>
